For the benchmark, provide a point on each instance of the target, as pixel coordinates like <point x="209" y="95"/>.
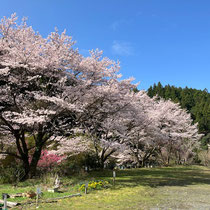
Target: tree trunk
<point x="139" y="164"/>
<point x="105" y="155"/>
<point x="142" y="162"/>
<point x="101" y="165"/>
<point x="169" y="154"/>
<point x="34" y="162"/>
<point x="96" y="152"/>
<point x="137" y="160"/>
<point x="26" y="169"/>
<point x="23" y="151"/>
<point x="168" y="159"/>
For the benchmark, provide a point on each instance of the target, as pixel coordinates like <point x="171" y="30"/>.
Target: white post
<point x="37" y="201"/>
<point x="86" y="186"/>
<point x="5" y="201"/>
<point x="38" y="192"/>
<point x="114" y="175"/>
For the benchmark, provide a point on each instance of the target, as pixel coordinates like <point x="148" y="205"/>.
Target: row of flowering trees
<point x="52" y="95"/>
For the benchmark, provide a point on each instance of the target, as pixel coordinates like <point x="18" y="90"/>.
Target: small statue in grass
<point x="57" y="183"/>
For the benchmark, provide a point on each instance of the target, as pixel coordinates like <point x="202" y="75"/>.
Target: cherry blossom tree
<point x="176" y="126"/>
<point x="102" y="121"/>
<point x="158" y="125"/>
<point x="141" y="136"/>
<point x="45" y="86"/>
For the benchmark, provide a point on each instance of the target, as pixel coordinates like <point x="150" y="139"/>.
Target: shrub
<point x="95" y="185"/>
<point x="11" y="173"/>
<point x="48" y="162"/>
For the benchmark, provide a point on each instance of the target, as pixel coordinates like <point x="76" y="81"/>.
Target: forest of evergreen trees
<point x="197" y="102"/>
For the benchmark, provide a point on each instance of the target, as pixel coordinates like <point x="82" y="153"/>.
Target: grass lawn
<point x="157" y="188"/>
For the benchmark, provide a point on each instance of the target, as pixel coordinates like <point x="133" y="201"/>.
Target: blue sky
<point x="154" y="40"/>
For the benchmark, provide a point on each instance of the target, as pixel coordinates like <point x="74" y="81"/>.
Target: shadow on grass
<point x="170" y="176"/>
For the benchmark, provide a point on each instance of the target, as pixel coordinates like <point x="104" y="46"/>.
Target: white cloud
<point x="122" y="48"/>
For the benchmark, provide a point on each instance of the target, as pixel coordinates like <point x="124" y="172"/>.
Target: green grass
<point x="134" y="189"/>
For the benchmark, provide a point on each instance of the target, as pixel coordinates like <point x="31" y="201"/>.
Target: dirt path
<point x="184" y="197"/>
